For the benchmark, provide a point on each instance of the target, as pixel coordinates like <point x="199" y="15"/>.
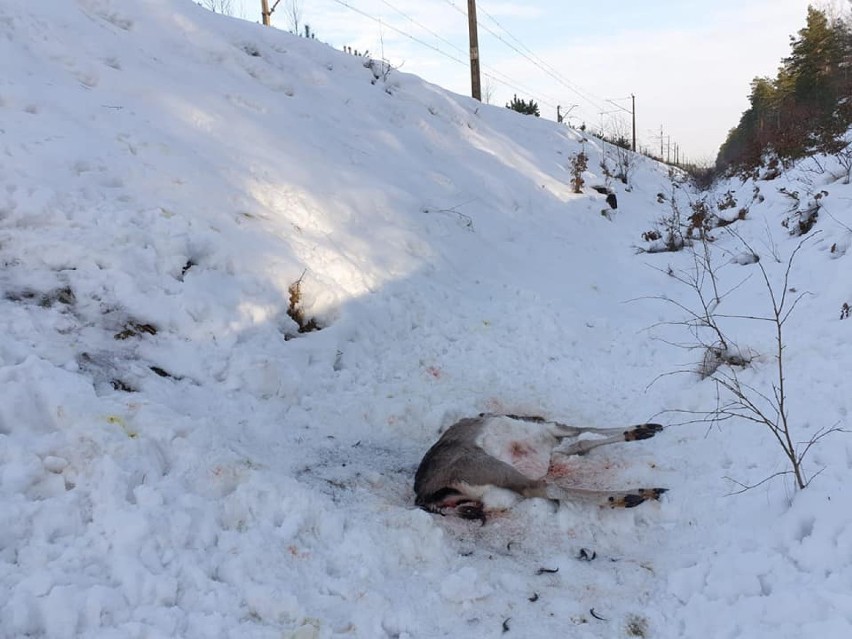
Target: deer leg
<point x="613" y="499"/>
<point x="560" y="430"/>
<point x="616" y="435"/>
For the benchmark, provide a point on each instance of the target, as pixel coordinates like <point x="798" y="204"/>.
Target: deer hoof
<point x="631" y="500"/>
<point x="644" y="431"/>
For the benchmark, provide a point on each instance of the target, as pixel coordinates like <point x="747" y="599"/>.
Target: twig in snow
<point x="596" y="615"/>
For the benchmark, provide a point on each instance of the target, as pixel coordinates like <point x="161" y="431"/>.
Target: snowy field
<point x="177" y="460"/>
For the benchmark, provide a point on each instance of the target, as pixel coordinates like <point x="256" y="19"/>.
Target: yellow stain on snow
<point x="119" y="421"/>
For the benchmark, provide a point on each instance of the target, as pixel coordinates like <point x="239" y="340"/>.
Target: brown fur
<point x="457" y="469"/>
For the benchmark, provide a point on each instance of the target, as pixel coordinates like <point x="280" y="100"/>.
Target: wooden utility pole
<point x="266" y="12"/>
<point x="633" y="112"/>
<point x="475" y="86"/>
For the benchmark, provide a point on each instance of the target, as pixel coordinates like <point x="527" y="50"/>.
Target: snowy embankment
<point x="177" y="460"/>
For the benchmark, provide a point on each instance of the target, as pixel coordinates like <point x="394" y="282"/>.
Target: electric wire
<point x="587" y="97"/>
<point x="488" y="72"/>
<point x="494" y="75"/>
<point x="425" y="28"/>
<point x="593" y="99"/>
<point x="556" y="77"/>
<point x="399" y="31"/>
<point x="453" y="5"/>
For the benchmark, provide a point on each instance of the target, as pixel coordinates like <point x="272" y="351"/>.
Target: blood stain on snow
<point x="582" y="472"/>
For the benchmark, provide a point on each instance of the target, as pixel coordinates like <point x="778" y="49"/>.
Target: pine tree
<point x="807" y="107"/>
<point x="522" y="106"/>
<point x="811" y="78"/>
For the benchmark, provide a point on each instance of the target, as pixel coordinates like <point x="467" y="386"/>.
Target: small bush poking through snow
<point x="844" y="159"/>
<point x="135" y="329"/>
<point x="702" y="220"/>
<point x="579" y="163"/>
<point x="799" y="220"/>
<point x="295" y="311"/>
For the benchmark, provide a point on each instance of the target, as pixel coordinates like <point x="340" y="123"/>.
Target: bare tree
<point x="225" y="7"/>
<point x="619" y="139"/>
<point x="488" y="93"/>
<point x="737" y="399"/>
<point x="293" y="13"/>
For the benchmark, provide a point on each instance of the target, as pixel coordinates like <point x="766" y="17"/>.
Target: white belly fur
<point x="525" y="445"/>
<point x="492" y="497"/>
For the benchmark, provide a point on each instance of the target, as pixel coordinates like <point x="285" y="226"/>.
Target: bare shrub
<point x="225" y="7"/>
<point x="702" y="219"/>
<point x="737" y="399"/>
<point x="800" y="220"/>
<point x="607" y="171"/>
<point x="296" y="311"/>
<point x="579" y="164"/>
<point x="703" y="177"/>
<point x="668" y="235"/>
<point x="624" y="164"/>
<point x="381" y="69"/>
<point x="293" y="15"/>
<point x="707" y="335"/>
<point x="844" y="158"/>
<point x="728" y="201"/>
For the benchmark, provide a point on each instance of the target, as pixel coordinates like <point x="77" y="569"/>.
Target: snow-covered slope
<point x="177" y="460"/>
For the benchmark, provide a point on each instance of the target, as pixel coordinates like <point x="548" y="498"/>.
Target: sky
<point x="688" y="62"/>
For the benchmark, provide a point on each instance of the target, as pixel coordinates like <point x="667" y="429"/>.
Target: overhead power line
<point x="453" y="5"/>
<point x="595" y="101"/>
<point x="399" y="31"/>
<point x="489" y="72"/>
<point x="493" y="75"/>
<point x="425" y="28"/>
<point x="521" y="49"/>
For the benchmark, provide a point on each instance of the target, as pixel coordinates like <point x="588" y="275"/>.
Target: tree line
<point x="807" y="107"/>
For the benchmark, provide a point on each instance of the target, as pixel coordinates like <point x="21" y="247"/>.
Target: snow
<point x="176" y="460"/>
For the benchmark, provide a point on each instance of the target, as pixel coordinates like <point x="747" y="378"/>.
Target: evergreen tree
<point x="812" y="72"/>
<point x="522" y="106"/>
<point x="757" y="129"/>
<point x="807" y="107"/>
